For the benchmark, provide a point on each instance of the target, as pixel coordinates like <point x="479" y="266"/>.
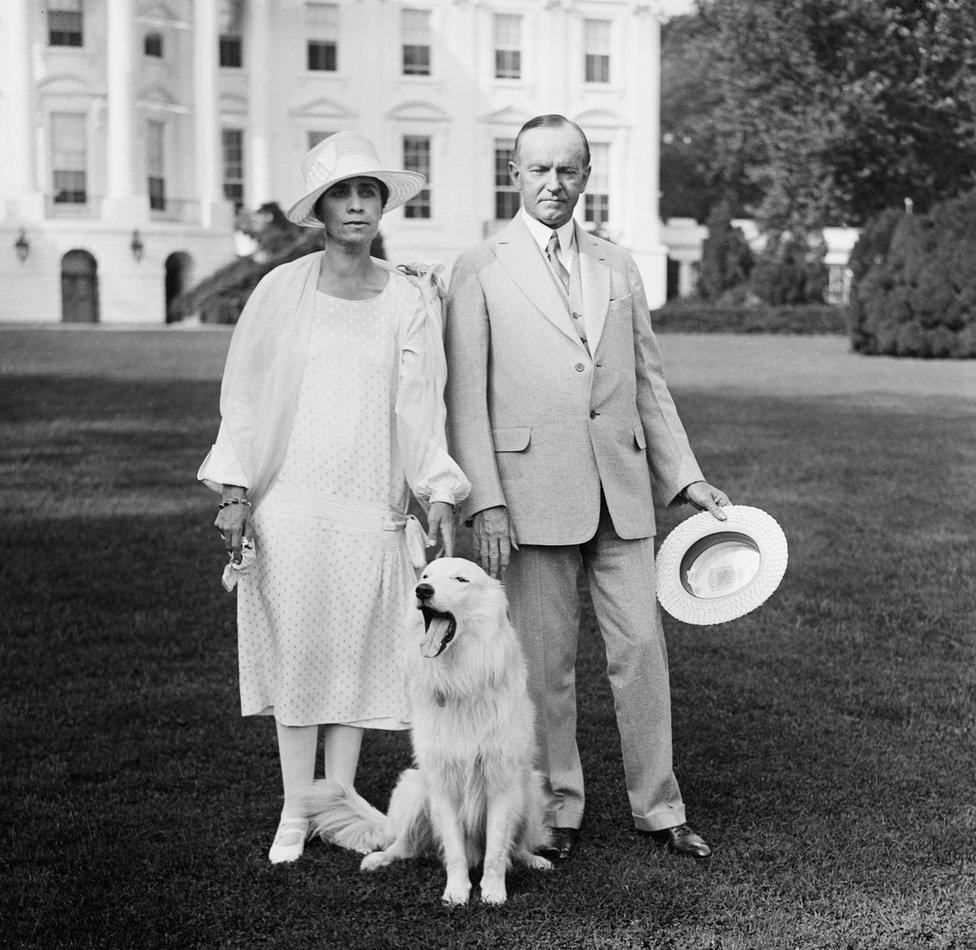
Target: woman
<point x="331" y="403"/>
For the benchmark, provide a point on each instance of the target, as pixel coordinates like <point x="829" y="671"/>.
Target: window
<point x="65" y="24"/>
<point x="322" y="28"/>
<point x="69" y="158"/>
<point x="415" y="31"/>
<point x="155" y="164"/>
<point x="508" y="46"/>
<point x="596" y="198"/>
<point x="230" y="25"/>
<point x="596" y="45"/>
<point x="507" y="198"/>
<point x="416" y="158"/>
<point x="152" y="45"/>
<point x="232" y="145"/>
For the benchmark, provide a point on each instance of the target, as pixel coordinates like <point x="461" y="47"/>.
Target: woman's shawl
<point x="266" y="362"/>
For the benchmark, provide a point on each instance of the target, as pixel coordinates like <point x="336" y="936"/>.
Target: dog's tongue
<point x="437" y="631"/>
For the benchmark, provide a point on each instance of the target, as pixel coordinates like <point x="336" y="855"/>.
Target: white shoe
<point x="289" y="840"/>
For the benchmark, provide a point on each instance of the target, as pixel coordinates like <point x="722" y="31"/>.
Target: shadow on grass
<point x="823" y="743"/>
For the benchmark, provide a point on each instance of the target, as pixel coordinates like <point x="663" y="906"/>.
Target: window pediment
<point x="417" y="111"/>
<point x="68" y="84"/>
<point x="327" y="109"/>
<point x="600" y="119"/>
<point x="507" y="116"/>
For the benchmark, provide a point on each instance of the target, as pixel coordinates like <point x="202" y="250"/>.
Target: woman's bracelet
<point x="227" y="502"/>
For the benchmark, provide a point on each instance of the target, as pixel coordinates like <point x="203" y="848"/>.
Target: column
<point x="257" y="56"/>
<point x="467" y="158"/>
<point x="214" y="211"/>
<point x="642" y="49"/>
<point x="26" y="200"/>
<point x="125" y="201"/>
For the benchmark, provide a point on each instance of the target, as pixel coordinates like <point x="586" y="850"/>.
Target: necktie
<point x="552" y="252"/>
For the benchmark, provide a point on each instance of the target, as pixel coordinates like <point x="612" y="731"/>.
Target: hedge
<point x="695" y="316"/>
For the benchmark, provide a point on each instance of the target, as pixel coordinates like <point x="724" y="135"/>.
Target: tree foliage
<point x="692" y="181"/>
<point x="831" y="109"/>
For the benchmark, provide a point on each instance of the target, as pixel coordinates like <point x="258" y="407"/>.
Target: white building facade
<point x="133" y="130"/>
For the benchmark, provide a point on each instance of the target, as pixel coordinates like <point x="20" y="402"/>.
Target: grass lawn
<point x="826" y="743"/>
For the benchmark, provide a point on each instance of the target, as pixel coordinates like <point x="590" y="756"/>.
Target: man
<point x="559" y="415"/>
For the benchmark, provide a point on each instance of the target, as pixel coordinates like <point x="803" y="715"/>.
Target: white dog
<point x="473" y="795"/>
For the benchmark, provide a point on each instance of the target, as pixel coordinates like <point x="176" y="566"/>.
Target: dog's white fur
<point x="473" y="796"/>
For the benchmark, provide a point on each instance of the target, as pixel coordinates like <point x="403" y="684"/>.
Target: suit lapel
<point x="595" y="282"/>
<point x="518" y="253"/>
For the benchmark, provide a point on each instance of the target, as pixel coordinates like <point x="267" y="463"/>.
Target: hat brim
<point x="711" y="571"/>
<point x="403" y="186"/>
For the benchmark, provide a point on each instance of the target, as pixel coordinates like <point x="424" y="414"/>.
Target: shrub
<point x="726" y="258"/>
<point x="790" y="271"/>
<point x="697" y="316"/>
<point x="914" y="291"/>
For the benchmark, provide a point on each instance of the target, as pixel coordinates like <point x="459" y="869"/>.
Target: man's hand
<point x="706" y="497"/>
<point x="494" y="539"/>
<point x="440" y="517"/>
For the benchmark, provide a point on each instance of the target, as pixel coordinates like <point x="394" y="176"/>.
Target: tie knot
<point x="553" y="246"/>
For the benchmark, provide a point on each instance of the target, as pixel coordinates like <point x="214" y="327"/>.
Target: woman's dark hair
<point x="384" y="194"/>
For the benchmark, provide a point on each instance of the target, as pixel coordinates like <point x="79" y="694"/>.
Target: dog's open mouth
<point x="440" y="629"/>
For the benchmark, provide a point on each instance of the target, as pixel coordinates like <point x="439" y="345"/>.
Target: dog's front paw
<point x="538" y="863"/>
<point x="493" y="892"/>
<point x="456" y="894"/>
<point x="375" y="861"/>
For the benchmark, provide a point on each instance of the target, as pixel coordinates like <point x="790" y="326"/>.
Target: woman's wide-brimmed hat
<point x="348" y="155"/>
<point x="711" y="571"/>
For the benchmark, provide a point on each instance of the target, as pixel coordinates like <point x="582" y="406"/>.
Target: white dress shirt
<point x="542" y="232"/>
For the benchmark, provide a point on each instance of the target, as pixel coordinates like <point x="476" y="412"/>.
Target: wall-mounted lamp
<point x="22" y="246"/>
<point x="138" y="248"/>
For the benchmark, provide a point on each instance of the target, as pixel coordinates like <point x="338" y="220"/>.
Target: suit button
<point x="593" y="413"/>
<point x="580" y="367"/>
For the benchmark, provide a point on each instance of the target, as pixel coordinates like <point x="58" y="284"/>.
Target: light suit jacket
<point x="537" y="424"/>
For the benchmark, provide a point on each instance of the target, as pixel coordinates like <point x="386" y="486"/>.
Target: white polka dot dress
<point x="324" y="619"/>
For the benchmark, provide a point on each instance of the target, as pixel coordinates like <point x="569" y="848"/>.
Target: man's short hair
<point x="551" y="121"/>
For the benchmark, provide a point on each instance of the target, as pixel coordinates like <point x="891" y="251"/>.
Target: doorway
<point x="179" y="269"/>
<point x="79" y="288"/>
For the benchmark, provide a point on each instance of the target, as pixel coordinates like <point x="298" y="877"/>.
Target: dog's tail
<point x="338" y="813"/>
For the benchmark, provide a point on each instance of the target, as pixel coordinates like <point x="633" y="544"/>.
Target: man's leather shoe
<point x="563" y="844"/>
<point x="682" y="840"/>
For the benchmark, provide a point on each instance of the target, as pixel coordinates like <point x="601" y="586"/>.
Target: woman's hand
<point x="440" y="517"/>
<point x="231" y="521"/>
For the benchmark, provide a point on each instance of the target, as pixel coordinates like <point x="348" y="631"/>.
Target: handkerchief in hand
<point x="235" y="570"/>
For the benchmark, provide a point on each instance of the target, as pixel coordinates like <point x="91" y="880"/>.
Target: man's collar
<point x="541" y="232"/>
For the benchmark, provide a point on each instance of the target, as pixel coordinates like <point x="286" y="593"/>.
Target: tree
<point x="836" y="109"/>
<point x="692" y="182"/>
<point x="726" y="257"/>
<point x="915" y="283"/>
